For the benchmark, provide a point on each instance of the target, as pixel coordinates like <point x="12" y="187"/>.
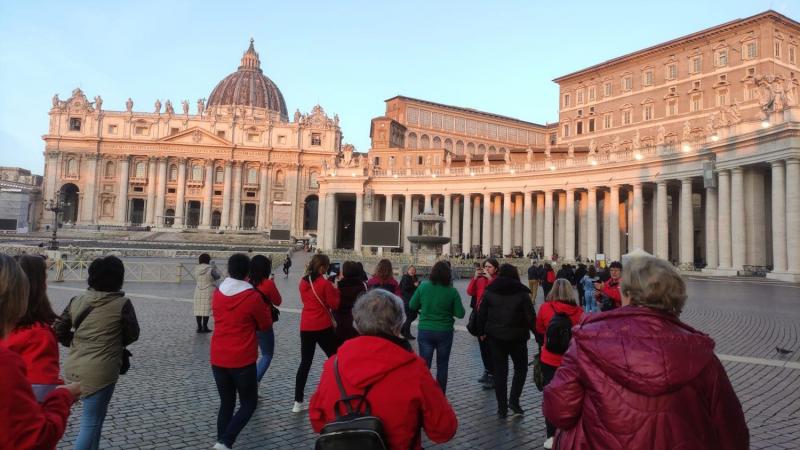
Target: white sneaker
<point x="220" y="446"/>
<point x="299" y="407"/>
<point x="548" y="443"/>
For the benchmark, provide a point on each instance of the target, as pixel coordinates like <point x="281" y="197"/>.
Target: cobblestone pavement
<point x="168" y="399"/>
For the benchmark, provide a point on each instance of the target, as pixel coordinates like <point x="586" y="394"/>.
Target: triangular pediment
<point x="194" y="136"/>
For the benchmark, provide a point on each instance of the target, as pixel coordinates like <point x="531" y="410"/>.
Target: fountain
<point x="428" y="244"/>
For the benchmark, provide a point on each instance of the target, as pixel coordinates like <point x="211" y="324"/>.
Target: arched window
<point x="481" y="149"/>
<point x="448" y="144"/>
<point x="411" y="141"/>
<point x="252" y="176"/>
<point x="424" y="141"/>
<point x="72" y="167"/>
<point x="502" y="149"/>
<point x="109" y="169"/>
<point x="313" y="183"/>
<point x="470" y="148"/>
<point x="197" y="172"/>
<point x="459" y="148"/>
<point x="279" y="178"/>
<point x="437" y="142"/>
<point x="140" y="169"/>
<point x="173" y="172"/>
<point x="219" y="175"/>
<point x="492" y="149"/>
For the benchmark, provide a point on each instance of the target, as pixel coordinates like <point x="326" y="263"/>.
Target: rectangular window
<point x="579" y="128"/>
<point x="282" y="140"/>
<point x="672" y="71"/>
<point x="792" y="55"/>
<point x="608" y="88"/>
<point x="221" y="133"/>
<point x="174" y="130"/>
<point x="316" y="139"/>
<point x="592" y="94"/>
<point x="74" y="124"/>
<point x="566" y="130"/>
<point x="420" y="160"/>
<point x="627" y="83"/>
<point x="140" y="131"/>
<point x="252" y="137"/>
<point x="751" y="50"/>
<point x="607" y="121"/>
<point x="591" y="125"/>
<point x="697" y="103"/>
<point x="377" y="161"/>
<point x="696" y="85"/>
<point x="138" y="189"/>
<point x="112" y="129"/>
<point x="697" y="64"/>
<point x="721" y="57"/>
<point x="647" y="78"/>
<point x="723" y="78"/>
<point x="672" y="107"/>
<point x="722" y="97"/>
<point x="217" y="192"/>
<point x="579" y="97"/>
<point x="566" y="100"/>
<point x="778" y="49"/>
<point x="170" y="190"/>
<point x="626" y="117"/>
<point x="647" y="113"/>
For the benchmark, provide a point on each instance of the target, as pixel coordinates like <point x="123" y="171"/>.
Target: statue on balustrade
<point x="661" y="136"/>
<point x="201" y="103"/>
<point x="571" y="151"/>
<point x="637" y="140"/>
<point x="98" y="103"/>
<point x="592" y="148"/>
<point x="158" y="107"/>
<point x="448" y="159"/>
<point x="506" y="156"/>
<point x="185" y="105"/>
<point x="485" y="159"/>
<point x="169" y="109"/>
<point x="687" y="131"/>
<point x="129" y="105"/>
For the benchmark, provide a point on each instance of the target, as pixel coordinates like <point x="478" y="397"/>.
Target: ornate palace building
<point x="687" y="149"/>
<point x="238" y="163"/>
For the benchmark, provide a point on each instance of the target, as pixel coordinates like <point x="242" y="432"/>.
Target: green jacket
<point x="95" y="355"/>
<point x="437" y="306"/>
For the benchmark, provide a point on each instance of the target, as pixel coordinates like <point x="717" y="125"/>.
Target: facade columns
<point x="539" y="241"/>
<point x="518" y="215"/>
<point x="712" y="255"/>
<point x="560" y="229"/>
<point x="779" y="262"/>
<point x="330" y="214"/>
<point x="466" y="225"/>
<point x="486" y="242"/>
<point x="724" y="223"/>
<point x="180" y="200"/>
<point x="793" y="217"/>
<point x="161" y="192"/>
<point x="507" y="233"/>
<point x="226" y="198"/>
<point x="591" y="224"/>
<point x="497" y="221"/>
<point x="122" y="196"/>
<point x="476" y="221"/>
<point x="455" y="214"/>
<point x="569" y="225"/>
<point x="151" y="192"/>
<point x="357" y="238"/>
<point x="236" y="207"/>
<point x="638" y="217"/>
<point x="548" y="224"/>
<point x="662" y="230"/>
<point x="527" y="223"/>
<point x="387" y="211"/>
<point x="448" y="221"/>
<point x="738" y="231"/>
<point x="427" y="206"/>
<point x="321" y="209"/>
<point x="263" y="199"/>
<point x="686" y="224"/>
<point x="208" y="199"/>
<point x="90" y="199"/>
<point x="407" y="224"/>
<point x="613" y="244"/>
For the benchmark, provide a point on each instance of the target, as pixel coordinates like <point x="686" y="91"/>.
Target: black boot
<point x="199" y="325"/>
<point x="489" y="384"/>
<point x="484" y="378"/>
<point x="205" y="325"/>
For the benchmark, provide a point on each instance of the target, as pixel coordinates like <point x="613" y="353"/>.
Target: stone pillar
<point x="161" y="192"/>
<point x="527" y="223"/>
<point x="686" y="224"/>
<point x="662" y="229"/>
<point x="724" y="224"/>
<point x="778" y="217"/>
<point x="560" y="229"/>
<point x="486" y="242"/>
<point x="548" y="224"/>
<point x="539" y="241"/>
<point x="357" y="239"/>
<point x="518" y="215"/>
<point x="180" y="199"/>
<point x="330" y="225"/>
<point x="208" y="195"/>
<point x="448" y="221"/>
<point x="476" y="220"/>
<point x="738" y="231"/>
<point x="569" y="225"/>
<point x="712" y="258"/>
<point x="263" y="199"/>
<point x="90" y="198"/>
<point x="507" y="233"/>
<point x="455" y="227"/>
<point x="321" y="210"/>
<point x="591" y="224"/>
<point x="793" y="217"/>
<point x="407" y="224"/>
<point x="414" y="211"/>
<point x="466" y="225"/>
<point x="151" y="192"/>
<point x="613" y="244"/>
<point x="388" y="208"/>
<point x="638" y="217"/>
<point x="226" y="198"/>
<point x="606" y="224"/>
<point x="497" y="221"/>
<point x="236" y="207"/>
<point x="427" y="206"/>
<point x="122" y="195"/>
<point x="583" y="221"/>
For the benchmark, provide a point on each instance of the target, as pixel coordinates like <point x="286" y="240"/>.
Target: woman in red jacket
<point x="319" y="297"/>
<point x="560" y="300"/>
<point x="24" y="422"/>
<point x="639" y="378"/>
<point x="402" y="392"/>
<point x="261" y="278"/>
<point x="477" y="286"/>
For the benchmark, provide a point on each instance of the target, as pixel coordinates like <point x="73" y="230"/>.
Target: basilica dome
<point x="248" y="86"/>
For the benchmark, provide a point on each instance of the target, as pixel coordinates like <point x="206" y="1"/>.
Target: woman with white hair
<point x="382" y="366"/>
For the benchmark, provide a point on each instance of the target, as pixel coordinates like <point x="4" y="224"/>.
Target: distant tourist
<point x="383" y="278"/>
<point x="588" y="282"/>
<point x="438" y="303"/>
<point x="239" y="312"/>
<point x="350" y="288"/>
<point x="317" y="324"/>
<point x="484" y="274"/>
<point x="287" y="264"/>
<point x="25" y="423"/>
<point x="548" y="278"/>
<point x="408" y="285"/>
<point x="642" y="379"/>
<point x="108" y="325"/>
<point x="402" y="393"/>
<point x="533" y="280"/>
<point x="261" y="278"/>
<point x="206" y="276"/>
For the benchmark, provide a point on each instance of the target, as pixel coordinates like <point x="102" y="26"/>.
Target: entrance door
<point x="310" y="212"/>
<point x="346" y="230"/>
<point x="137" y="211"/>
<point x="169" y="218"/>
<point x="216" y="219"/>
<point x="193" y="214"/>
<point x="69" y="203"/>
<point x="249" y="216"/>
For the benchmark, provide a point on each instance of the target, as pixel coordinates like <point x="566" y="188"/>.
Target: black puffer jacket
<point x="506" y="311"/>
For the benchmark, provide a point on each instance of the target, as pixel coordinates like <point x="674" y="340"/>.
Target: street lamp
<point x="57" y="207"/>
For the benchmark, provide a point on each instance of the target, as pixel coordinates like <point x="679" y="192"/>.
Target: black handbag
<point x="64" y="334"/>
<point x="538" y="376"/>
<point x="276" y="313"/>
<point x="126" y="361"/>
<point x="472" y="323"/>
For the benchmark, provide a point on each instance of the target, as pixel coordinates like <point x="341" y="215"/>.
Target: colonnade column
<point x="151" y="192"/>
<point x="407" y="224"/>
<point x="507" y="234"/>
<point x="263" y="199"/>
<point x="686" y="223"/>
<point x="330" y="214"/>
<point x="497" y="221"/>
<point x="161" y="192"/>
<point x="738" y="232"/>
<point x="527" y="223"/>
<point x="321" y="235"/>
<point x="778" y="217"/>
<point x="518" y="216"/>
<point x="236" y="207"/>
<point x="638" y="217"/>
<point x="180" y="197"/>
<point x="476" y="221"/>
<point x="613" y="237"/>
<point x="569" y="225"/>
<point x="226" y="198"/>
<point x="447" y="222"/>
<point x="466" y="225"/>
<point x="122" y="196"/>
<point x="427" y="206"/>
<point x="539" y="241"/>
<point x="724" y="224"/>
<point x="712" y="255"/>
<point x="90" y="199"/>
<point x="208" y="191"/>
<point x="662" y="230"/>
<point x="455" y="227"/>
<point x="486" y="242"/>
<point x="548" y="224"/>
<point x="793" y="216"/>
<point x="388" y="208"/>
<point x="591" y="224"/>
<point x="357" y="239"/>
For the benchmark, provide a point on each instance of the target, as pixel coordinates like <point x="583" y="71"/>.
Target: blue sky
<point x="348" y="56"/>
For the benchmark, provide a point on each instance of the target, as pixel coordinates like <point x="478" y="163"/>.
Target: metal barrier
<point x="136" y="271"/>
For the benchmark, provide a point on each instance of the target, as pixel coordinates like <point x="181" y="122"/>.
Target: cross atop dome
<point x="250" y="58"/>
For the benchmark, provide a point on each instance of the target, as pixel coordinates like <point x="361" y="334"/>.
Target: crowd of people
<point x="617" y="367"/>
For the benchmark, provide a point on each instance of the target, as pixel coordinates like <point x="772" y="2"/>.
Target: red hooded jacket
<point x="404" y="395"/>
<point x="24" y="423"/>
<point x="314" y="317"/>
<point x="238" y="313"/>
<point x="38" y="347"/>
<point x="638" y="378"/>
<point x="476" y="288"/>
<point x="546" y="312"/>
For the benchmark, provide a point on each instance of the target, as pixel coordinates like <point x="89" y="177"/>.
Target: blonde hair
<point x="14" y="289"/>
<point x="562" y="292"/>
<point x="655" y="283"/>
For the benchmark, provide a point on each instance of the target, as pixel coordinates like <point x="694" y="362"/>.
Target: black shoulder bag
<point x="65" y="336"/>
<point x="276" y="313"/>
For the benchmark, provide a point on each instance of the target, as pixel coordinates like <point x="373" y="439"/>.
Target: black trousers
<point x="410" y="317"/>
<point x="486" y="356"/>
<point x="500" y="351"/>
<point x="548" y="372"/>
<point x="230" y="382"/>
<point x="327" y="341"/>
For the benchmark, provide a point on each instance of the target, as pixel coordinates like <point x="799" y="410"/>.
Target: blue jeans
<point x="441" y="342"/>
<point x="95" y="407"/>
<point x="591" y="302"/>
<point x="242" y="381"/>
<point x="266" y="342"/>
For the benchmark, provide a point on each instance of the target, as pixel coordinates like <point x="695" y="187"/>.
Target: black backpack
<point x="558" y="333"/>
<point x="353" y="429"/>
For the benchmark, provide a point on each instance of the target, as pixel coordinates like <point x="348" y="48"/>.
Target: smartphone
<point x="334" y="268"/>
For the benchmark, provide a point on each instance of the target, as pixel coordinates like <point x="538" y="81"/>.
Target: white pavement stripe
<point x="729" y="358"/>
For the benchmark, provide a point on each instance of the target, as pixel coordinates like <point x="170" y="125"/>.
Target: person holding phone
<point x="484" y="274"/>
<point x="607" y="292"/>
